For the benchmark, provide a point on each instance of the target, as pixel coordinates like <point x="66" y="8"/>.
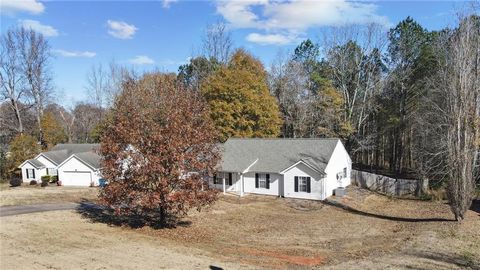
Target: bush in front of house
<point x="15" y="182"/>
<point x="53" y="178"/>
<point x="33" y="182"/>
<point x="45" y="180"/>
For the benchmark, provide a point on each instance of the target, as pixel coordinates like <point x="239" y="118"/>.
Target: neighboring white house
<point x="295" y="168"/>
<point x="75" y="165"/>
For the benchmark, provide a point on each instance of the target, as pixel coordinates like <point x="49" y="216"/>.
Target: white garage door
<point x="77" y="178"/>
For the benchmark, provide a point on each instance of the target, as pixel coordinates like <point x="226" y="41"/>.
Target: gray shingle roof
<point x="60" y="152"/>
<point x="37" y="164"/>
<point x="275" y="155"/>
<point x="91" y="158"/>
<point x="56" y="156"/>
<point x="76" y="147"/>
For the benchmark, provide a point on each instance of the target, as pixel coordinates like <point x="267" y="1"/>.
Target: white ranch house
<point x="75" y="165"/>
<point x="293" y="168"/>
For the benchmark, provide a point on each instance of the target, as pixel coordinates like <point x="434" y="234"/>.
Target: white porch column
<point x="223" y="179"/>
<point x="241" y="185"/>
<point x="238" y="183"/>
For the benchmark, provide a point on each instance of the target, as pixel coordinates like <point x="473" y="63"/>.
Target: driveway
<point x="26" y="209"/>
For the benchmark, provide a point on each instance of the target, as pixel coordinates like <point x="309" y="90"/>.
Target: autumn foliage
<point x="22" y="147"/>
<point x="157" y="150"/>
<point x="239" y="100"/>
<point x="53" y="133"/>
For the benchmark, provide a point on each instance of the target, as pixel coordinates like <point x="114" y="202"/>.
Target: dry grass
<point x="363" y="231"/>
<point x="27" y="194"/>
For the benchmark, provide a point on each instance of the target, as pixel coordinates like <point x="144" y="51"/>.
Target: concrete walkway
<point x="34" y="208"/>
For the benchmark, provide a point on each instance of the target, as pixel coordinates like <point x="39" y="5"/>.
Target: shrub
<point x="53" y="178"/>
<point x="16" y="181"/>
<point x="33" y="182"/>
<point x="45" y="180"/>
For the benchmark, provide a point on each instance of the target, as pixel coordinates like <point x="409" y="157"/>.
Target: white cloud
<point x="283" y="20"/>
<point x="46" y="30"/>
<point x="167" y="3"/>
<point x="65" y="53"/>
<point x="121" y="30"/>
<point x="141" y="60"/>
<point x="30" y="6"/>
<point x="269" y="39"/>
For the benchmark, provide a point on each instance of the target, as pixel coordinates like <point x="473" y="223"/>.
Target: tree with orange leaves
<point x="158" y="150"/>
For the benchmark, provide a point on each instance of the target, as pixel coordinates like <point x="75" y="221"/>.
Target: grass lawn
<point x="27" y="194"/>
<point x="363" y="230"/>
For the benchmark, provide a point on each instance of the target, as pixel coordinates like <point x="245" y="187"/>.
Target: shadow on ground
<point x="392" y="218"/>
<point x="476" y="206"/>
<point x="101" y="214"/>
<point x="464" y="261"/>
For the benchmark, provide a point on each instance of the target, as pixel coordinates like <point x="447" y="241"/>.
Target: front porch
<point x="229" y="183"/>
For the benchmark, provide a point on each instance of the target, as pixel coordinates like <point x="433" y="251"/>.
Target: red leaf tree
<point x="157" y="150"/>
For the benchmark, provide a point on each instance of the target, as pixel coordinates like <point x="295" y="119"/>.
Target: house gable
<point x="45" y="160"/>
<point x="317" y="191"/>
<point x="74" y="163"/>
<point x="335" y="169"/>
<point x="29" y="163"/>
<point x="305" y="164"/>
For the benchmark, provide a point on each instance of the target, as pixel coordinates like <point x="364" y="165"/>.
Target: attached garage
<point x="79" y="170"/>
<point x="77" y="178"/>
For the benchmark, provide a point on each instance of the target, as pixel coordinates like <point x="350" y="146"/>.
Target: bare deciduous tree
<point x="288" y="82"/>
<point x="104" y="84"/>
<point x="452" y="120"/>
<point x="86" y="118"/>
<point x="12" y="76"/>
<point x="35" y="55"/>
<point x="217" y="43"/>
<point x="463" y="113"/>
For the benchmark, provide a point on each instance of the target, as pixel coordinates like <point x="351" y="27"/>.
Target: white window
<point x="218" y="178"/>
<point x="303" y="183"/>
<point x="30" y="173"/>
<point x="51" y="171"/>
<point x="262" y="181"/>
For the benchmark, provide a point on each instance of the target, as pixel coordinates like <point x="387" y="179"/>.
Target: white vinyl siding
<point x="299" y="171"/>
<point x="274" y="184"/>
<point x="338" y="170"/>
<point x="76" y="173"/>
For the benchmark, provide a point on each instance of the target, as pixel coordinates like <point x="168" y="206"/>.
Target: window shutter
<point x="267" y="177"/>
<point x="308" y="184"/>
<point x="215" y="178"/>
<point x="296" y="183"/>
<point x="256" y="180"/>
<point x="229" y="179"/>
<point x="33" y="170"/>
<point x="26" y="170"/>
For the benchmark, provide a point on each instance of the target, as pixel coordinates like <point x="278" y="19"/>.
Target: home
<point x="75" y="165"/>
<point x="294" y="168"/>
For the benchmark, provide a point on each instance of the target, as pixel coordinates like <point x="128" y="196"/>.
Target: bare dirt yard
<point x="363" y="230"/>
<point x="27" y="194"/>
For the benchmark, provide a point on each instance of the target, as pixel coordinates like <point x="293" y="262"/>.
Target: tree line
<point x="405" y="101"/>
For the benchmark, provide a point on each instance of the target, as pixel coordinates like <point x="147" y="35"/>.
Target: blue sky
<point x="163" y="34"/>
